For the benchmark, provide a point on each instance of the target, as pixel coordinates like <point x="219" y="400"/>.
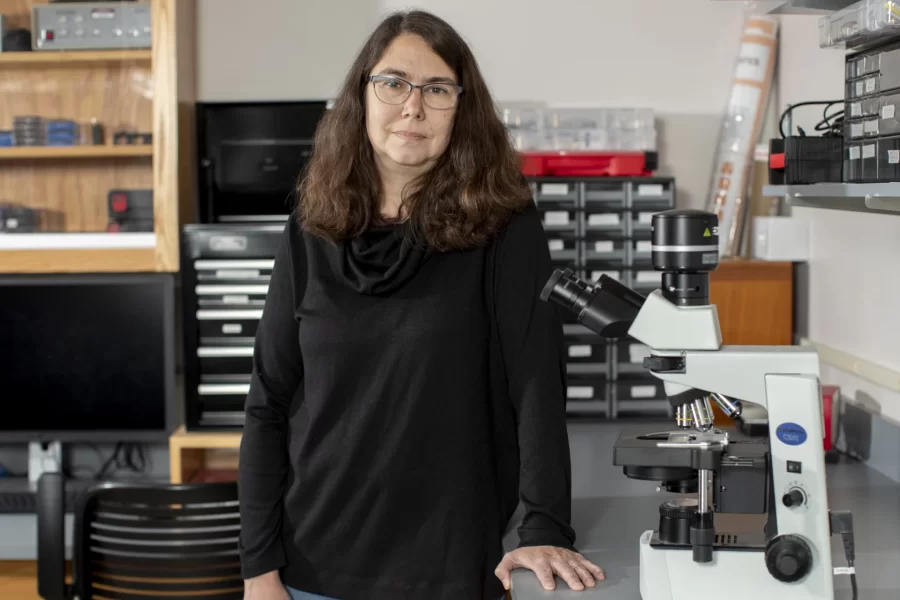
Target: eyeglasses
<point x="391" y="89"/>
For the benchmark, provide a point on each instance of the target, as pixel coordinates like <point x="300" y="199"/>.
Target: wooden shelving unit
<point x="66" y="152"/>
<point x="87" y="57"/>
<point x="138" y="90"/>
<point x="202" y="456"/>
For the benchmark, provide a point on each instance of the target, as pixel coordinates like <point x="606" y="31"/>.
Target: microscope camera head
<point x="676" y="318"/>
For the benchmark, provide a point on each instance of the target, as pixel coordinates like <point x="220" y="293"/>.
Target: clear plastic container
<point x="580" y="129"/>
<point x="862" y="22"/>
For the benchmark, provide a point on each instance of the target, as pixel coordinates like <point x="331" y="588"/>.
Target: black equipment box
<point x="251" y="156"/>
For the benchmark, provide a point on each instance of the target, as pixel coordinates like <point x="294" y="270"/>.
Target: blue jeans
<point x="298" y="595"/>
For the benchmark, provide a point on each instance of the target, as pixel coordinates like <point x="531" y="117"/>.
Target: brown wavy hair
<point x="462" y="202"/>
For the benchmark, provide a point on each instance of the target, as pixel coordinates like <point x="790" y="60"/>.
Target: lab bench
<point x="610" y="512"/>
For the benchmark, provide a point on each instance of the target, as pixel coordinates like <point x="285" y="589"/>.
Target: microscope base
<point x="671" y="574"/>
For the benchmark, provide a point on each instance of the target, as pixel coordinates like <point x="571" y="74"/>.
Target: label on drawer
<point x="856" y="130"/>
<point x="555" y="189"/>
<point x="648" y="276"/>
<point x="232" y="328"/>
<point x="856" y="109"/>
<point x="645" y="218"/>
<point x="870" y="85"/>
<point x="235" y="274"/>
<point x="556" y="245"/>
<point x="605" y="246"/>
<point x="650" y="189"/>
<point x="595" y="275"/>
<point x="580" y="351"/>
<point x="556" y="217"/>
<point x="868" y="151"/>
<point x="871" y="126"/>
<point x="643" y="391"/>
<point x="580" y="391"/>
<point x="887" y="112"/>
<point x="893" y="157"/>
<point x="603" y="219"/>
<point x="853" y="152"/>
<point x="638" y="352"/>
<point x="644" y="246"/>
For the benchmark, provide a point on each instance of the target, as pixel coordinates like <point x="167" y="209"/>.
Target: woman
<point x="408" y="384"/>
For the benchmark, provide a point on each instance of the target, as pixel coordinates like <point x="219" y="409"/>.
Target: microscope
<point x="779" y="476"/>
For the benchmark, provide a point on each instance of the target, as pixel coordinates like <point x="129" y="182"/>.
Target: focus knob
<point x="793" y="498"/>
<point x="788" y="558"/>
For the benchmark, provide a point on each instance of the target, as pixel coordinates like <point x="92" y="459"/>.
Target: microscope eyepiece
<point x="606" y="307"/>
<point x="685" y="247"/>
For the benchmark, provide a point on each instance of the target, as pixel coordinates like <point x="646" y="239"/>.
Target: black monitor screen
<point x="83" y="354"/>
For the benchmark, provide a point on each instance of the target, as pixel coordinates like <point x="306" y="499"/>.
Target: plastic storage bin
<point x="853" y="162"/>
<point x="534" y="128"/>
<point x="868" y="107"/>
<point x="604" y="222"/>
<point x="605" y="255"/>
<point x="888" y="159"/>
<point x="859" y="23"/>
<point x="562" y="194"/>
<point x="587" y="390"/>
<point x="618" y="274"/>
<point x="653" y="196"/>
<point x="889" y="114"/>
<point x="584" y="352"/>
<point x="645" y="280"/>
<point x="628" y="357"/>
<point x="557" y="220"/>
<point x="640" y="395"/>
<point x="605" y="195"/>
<point x="640" y="253"/>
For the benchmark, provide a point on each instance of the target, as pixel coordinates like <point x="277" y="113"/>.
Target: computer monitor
<point x="87" y="358"/>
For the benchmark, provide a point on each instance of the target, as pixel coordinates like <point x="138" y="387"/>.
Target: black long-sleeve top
<point x="403" y="402"/>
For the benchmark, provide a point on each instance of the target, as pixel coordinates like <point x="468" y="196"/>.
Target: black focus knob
<point x="788" y="558"/>
<point x="793" y="498"/>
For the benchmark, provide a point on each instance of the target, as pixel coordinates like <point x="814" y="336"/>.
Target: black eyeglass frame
<point x="413" y="87"/>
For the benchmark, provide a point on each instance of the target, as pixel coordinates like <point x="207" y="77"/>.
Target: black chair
<point x="140" y="541"/>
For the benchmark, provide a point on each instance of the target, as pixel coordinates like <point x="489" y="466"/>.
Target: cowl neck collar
<point x="382" y="259"/>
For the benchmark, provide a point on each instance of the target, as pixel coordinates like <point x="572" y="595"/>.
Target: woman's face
<point x="410" y="134"/>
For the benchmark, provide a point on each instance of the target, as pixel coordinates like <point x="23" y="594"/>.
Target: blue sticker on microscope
<point x="791" y="434"/>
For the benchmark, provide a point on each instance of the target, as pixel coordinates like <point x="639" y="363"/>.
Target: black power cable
<point x="826" y="103"/>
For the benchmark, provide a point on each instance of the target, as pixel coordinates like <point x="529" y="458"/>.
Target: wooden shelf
<point x="78" y="241"/>
<point x="55" y="152"/>
<point x="79" y="261"/>
<point x="43" y="57"/>
<point x="203" y="456"/>
<point x="148" y="90"/>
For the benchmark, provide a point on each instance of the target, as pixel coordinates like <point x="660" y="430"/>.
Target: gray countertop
<point x="610" y="511"/>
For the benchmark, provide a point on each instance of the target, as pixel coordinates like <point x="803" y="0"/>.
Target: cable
<point x="126" y="456"/>
<point x="790" y="108"/>
<point x="835" y="128"/>
<point x="842" y="523"/>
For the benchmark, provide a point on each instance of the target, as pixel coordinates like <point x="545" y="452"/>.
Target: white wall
<point x="277" y="49"/>
<point x="854" y="280"/>
<point x="674" y="57"/>
<point x="654" y="53"/>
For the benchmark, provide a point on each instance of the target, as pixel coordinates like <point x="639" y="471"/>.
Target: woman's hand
<point x="265" y="587"/>
<point x="547" y="561"/>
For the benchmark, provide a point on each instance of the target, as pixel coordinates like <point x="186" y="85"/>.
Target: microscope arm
<point x="737" y="371"/>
